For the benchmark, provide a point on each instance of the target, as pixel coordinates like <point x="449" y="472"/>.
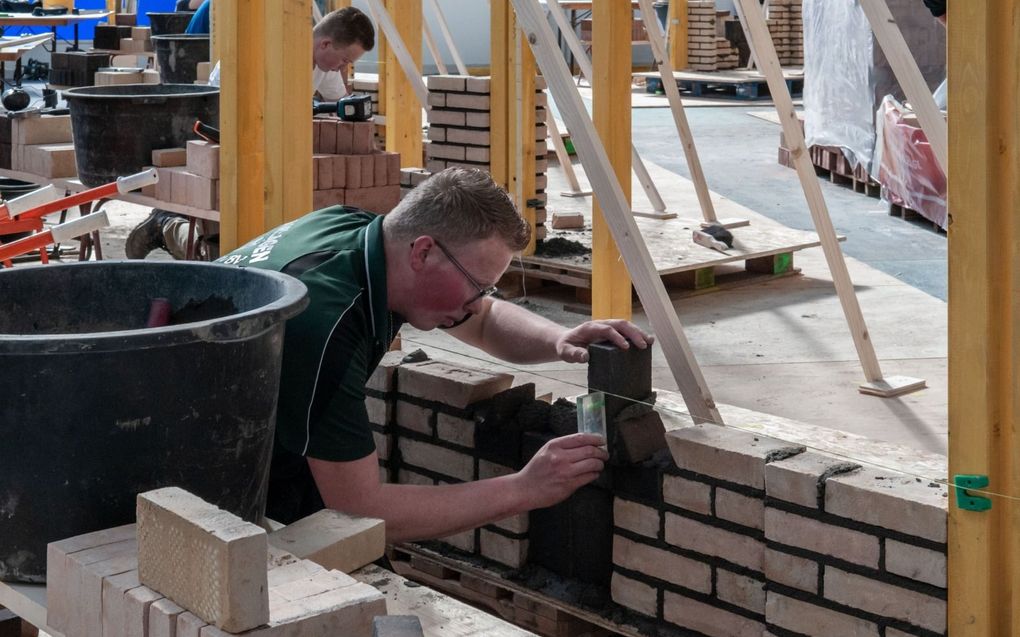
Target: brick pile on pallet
<point x="188" y="176"/>
<point x="724" y="532"/>
<point x="348" y="170"/>
<point x="460" y="132"/>
<point x="38" y="145"/>
<point x="707" y="47"/>
<point x="786" y="24"/>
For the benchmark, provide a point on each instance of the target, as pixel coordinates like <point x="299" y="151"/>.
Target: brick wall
<point x="740" y="535"/>
<point x="786" y="25"/>
<point x="460" y="132"/>
<point x="348" y="169"/>
<point x="708" y="49"/>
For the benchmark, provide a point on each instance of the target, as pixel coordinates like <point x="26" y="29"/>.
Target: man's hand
<point x="572" y="346"/>
<point x="561" y="467"/>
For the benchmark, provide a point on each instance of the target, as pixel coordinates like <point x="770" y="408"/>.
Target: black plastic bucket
<point x="169" y="23"/>
<point x="97" y="408"/>
<point x="179" y="55"/>
<point x="116" y="128"/>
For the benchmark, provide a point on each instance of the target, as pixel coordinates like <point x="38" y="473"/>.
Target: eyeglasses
<point x="482" y="291"/>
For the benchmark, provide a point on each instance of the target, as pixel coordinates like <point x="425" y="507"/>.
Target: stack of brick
<point x="786" y="25"/>
<point x="197" y="571"/>
<point x="460" y="133"/>
<point x="369" y="85"/>
<point x="748" y="533"/>
<point x="702" y="47"/>
<point x="348" y="170"/>
<point x="76" y="68"/>
<point x="137" y="42"/>
<point x="127" y="76"/>
<point x="188" y="176"/>
<point x="38" y="145"/>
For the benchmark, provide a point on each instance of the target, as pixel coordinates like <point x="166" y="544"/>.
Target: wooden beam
<point x="288" y="125"/>
<point x="430" y="42"/>
<point x="522" y="133"/>
<point x="242" y="124"/>
<point x="502" y="27"/>
<point x="763" y="50"/>
<point x="677" y="33"/>
<point x="654" y="299"/>
<point x="895" y="48"/>
<point x="610" y="84"/>
<point x="563" y="158"/>
<point x="585" y="65"/>
<point x="984" y="314"/>
<point x="406" y="93"/>
<point x="448" y="38"/>
<point x="676" y="105"/>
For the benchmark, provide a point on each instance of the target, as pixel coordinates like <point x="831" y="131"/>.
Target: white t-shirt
<point x="328" y="84"/>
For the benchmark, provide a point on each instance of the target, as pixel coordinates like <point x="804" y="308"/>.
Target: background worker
<point x="338" y="41"/>
<point x="433" y="261"/>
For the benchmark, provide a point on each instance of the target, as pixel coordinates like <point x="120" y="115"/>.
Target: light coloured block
<point x="333" y="539"/>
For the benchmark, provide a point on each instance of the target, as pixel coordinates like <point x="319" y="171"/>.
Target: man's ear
<point x="420" y="249"/>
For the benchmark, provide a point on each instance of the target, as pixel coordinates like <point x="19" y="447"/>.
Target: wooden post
<point x="763" y="51"/>
<point x="610" y="83"/>
<point x="585" y="65"/>
<point x="909" y="77"/>
<point x="111" y="5"/>
<point x="502" y="26"/>
<point x="288" y="123"/>
<point x="512" y="112"/>
<point x="404" y="99"/>
<point x="677" y="34"/>
<point x="657" y="305"/>
<point x="265" y="128"/>
<point x="242" y="123"/>
<point x="984" y="314"/>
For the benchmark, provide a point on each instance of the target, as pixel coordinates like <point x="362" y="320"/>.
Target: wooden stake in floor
<point x="621" y="223"/>
<point x="764" y="52"/>
<point x="584" y="64"/>
<point x="683" y="128"/>
<point x="904" y="66"/>
<point x="984" y="318"/>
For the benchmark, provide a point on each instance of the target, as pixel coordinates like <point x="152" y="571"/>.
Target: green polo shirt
<point x="332" y="347"/>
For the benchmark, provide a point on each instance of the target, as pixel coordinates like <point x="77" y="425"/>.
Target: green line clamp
<point x="966" y="500"/>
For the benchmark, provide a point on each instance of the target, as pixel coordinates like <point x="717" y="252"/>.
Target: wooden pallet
<point x="830" y="162"/>
<point x="763" y="251"/>
<point x="909" y="214"/>
<point x="736" y="84"/>
<point x="513" y="602"/>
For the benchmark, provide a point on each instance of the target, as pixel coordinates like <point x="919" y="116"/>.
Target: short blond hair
<point x="458" y="206"/>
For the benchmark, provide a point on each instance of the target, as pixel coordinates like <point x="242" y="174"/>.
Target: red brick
<point x="378" y="199"/>
<point x="325" y="198"/>
<point x="362" y="136"/>
<point x="339" y="164"/>
<point x="167" y="157"/>
<point x="327" y="136"/>
<point x="392" y="169"/>
<point x="353" y="179"/>
<point x="367" y="171"/>
<point x="344" y="138"/>
<point x="322" y="172"/>
<point x="564" y="220"/>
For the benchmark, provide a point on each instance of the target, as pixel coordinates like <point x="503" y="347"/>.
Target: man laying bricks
<point x="431" y="262"/>
<point x="338" y="41"/>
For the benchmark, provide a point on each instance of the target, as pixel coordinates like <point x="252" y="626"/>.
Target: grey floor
<point x="738" y="154"/>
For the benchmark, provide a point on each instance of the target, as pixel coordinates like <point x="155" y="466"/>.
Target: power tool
<point x="352" y="108"/>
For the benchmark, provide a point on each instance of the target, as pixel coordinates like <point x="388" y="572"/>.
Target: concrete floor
<point x="779" y="347"/>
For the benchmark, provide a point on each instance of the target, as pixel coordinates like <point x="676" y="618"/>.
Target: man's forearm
<point x="426" y="512"/>
<point x="513" y="334"/>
